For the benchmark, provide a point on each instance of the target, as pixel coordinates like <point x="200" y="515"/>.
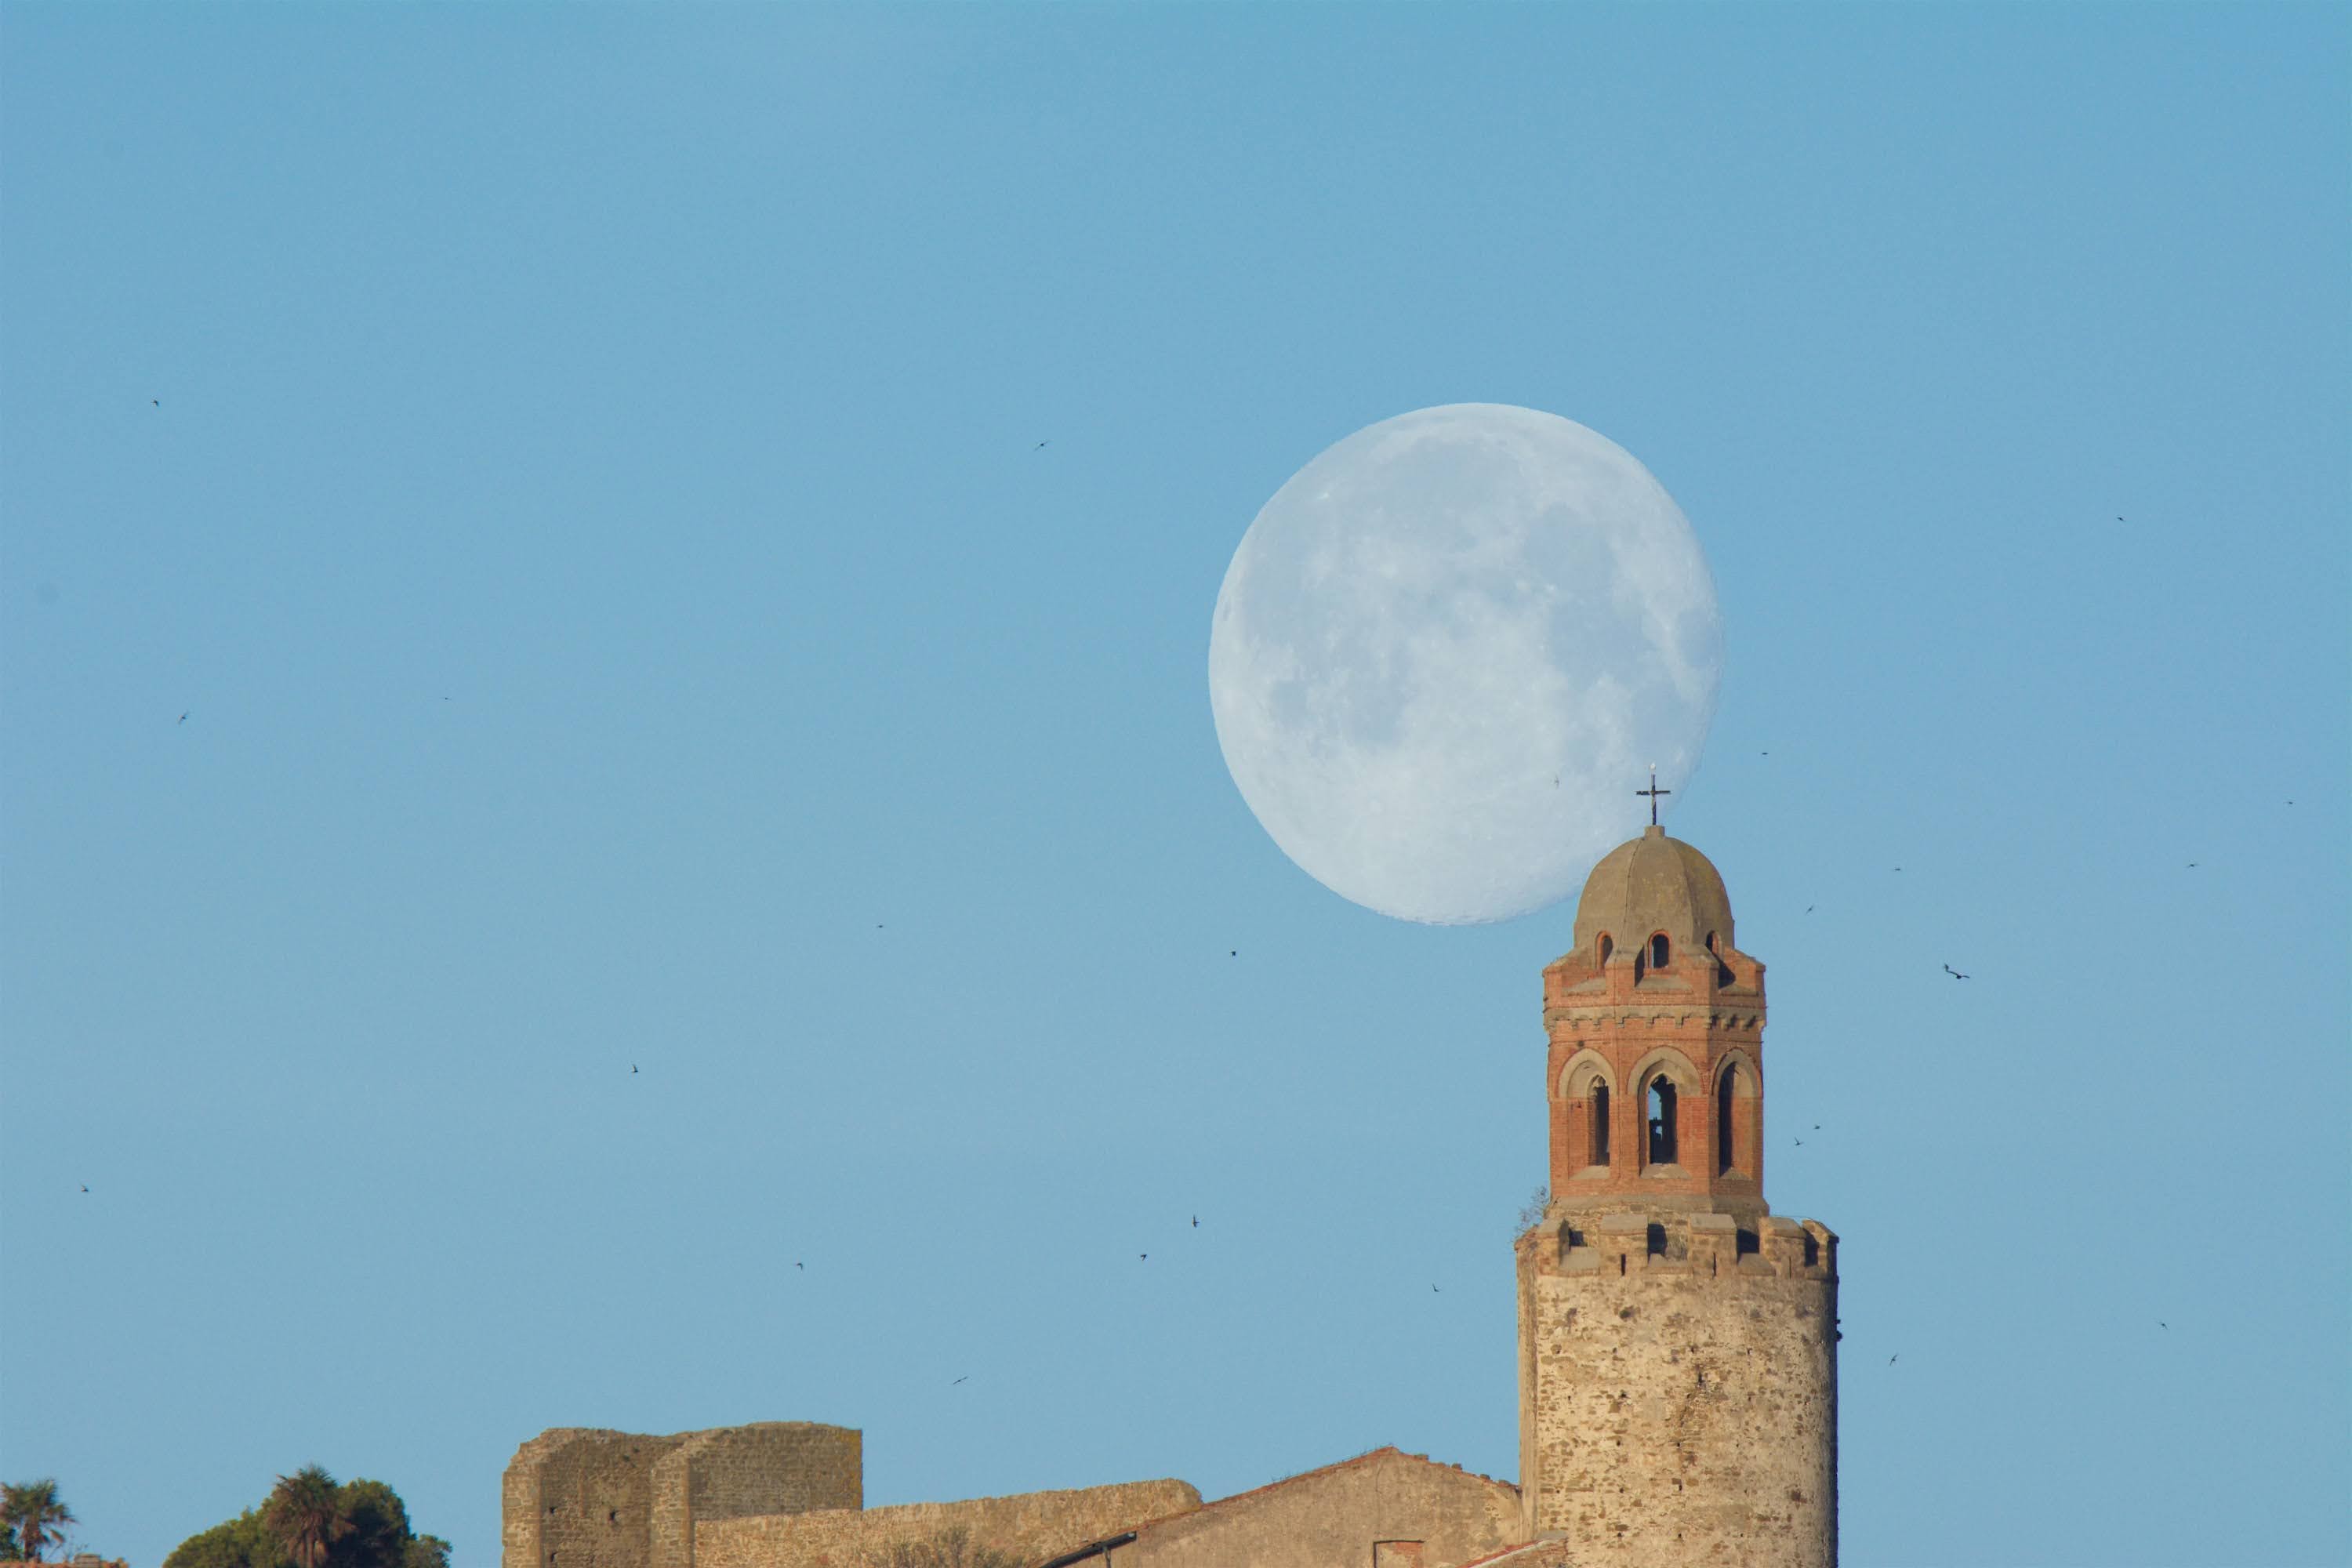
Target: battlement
<point x="1635" y="1243"/>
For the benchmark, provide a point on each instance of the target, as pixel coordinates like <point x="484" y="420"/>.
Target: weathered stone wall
<point x="1032" y="1526"/>
<point x="1679" y="1406"/>
<point x="1383" y="1507"/>
<point x="769" y="1468"/>
<point x="580" y="1496"/>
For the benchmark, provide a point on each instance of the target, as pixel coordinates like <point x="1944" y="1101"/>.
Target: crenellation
<point x="1677" y="1339"/>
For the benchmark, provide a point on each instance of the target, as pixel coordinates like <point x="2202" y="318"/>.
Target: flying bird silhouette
<point x="965" y="1378"/>
<point x="1196" y="1222"/>
<point x="633" y="1066"/>
<point x="183" y="719"/>
<point x="1435" y="1290"/>
<point x="1143" y="1257"/>
<point x="1040" y="446"/>
<point x="801" y="1265"/>
<point x="2165" y="1326"/>
<point x="1953" y="972"/>
<point x="85" y="1187"/>
<point x="1893" y="1359"/>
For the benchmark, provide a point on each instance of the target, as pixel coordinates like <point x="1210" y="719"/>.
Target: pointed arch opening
<point x="1597" y="1128"/>
<point x="1660" y="1096"/>
<point x="1727" y="1128"/>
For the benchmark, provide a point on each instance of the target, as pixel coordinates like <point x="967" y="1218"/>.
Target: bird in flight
<point x="1893" y="1359"/>
<point x="2159" y="1322"/>
<point x="633" y="1066"/>
<point x="1142" y="1256"/>
<point x="965" y="1378"/>
<point x="1800" y="1142"/>
<point x="1809" y="909"/>
<point x="2193" y="865"/>
<point x="156" y="401"/>
<point x="1196" y="1222"/>
<point x="183" y="719"/>
<point x="1953" y="972"/>
<point x="85" y="1187"/>
<point x="1435" y="1291"/>
<point x="803" y="1266"/>
<point x="1040" y="447"/>
<point x="1234" y="952"/>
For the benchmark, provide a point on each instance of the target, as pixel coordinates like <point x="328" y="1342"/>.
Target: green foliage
<point x="35" y="1516"/>
<point x="7" y="1541"/>
<point x="363" y="1524"/>
<point x="241" y="1543"/>
<point x="305" y="1513"/>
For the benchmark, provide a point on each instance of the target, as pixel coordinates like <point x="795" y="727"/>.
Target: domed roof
<point x="1654" y="883"/>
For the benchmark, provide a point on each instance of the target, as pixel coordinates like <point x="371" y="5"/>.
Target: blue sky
<point x="577" y="471"/>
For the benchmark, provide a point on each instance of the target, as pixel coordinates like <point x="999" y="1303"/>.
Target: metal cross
<point x="1653" y="792"/>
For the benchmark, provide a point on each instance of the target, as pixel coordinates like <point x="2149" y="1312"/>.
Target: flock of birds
<point x="1235" y="953"/>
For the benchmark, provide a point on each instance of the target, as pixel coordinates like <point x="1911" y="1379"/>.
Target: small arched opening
<point x="1658" y="951"/>
<point x="1597" y="1130"/>
<point x="1606" y="947"/>
<point x="1727" y="1132"/>
<point x="1661" y="1098"/>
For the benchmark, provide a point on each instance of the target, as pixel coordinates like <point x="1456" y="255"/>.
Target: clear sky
<point x="577" y="471"/>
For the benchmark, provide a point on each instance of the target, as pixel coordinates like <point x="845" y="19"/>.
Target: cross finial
<point x="1653" y="792"/>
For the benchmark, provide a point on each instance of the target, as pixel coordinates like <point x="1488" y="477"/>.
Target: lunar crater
<point x="1447" y="652"/>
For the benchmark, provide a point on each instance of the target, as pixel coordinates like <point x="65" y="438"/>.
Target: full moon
<point x="1449" y="649"/>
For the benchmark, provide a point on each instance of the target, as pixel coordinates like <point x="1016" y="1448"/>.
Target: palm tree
<point x="33" y="1511"/>
<point x="305" y="1513"/>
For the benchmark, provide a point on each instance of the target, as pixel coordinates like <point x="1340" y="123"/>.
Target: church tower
<point x="1677" y="1339"/>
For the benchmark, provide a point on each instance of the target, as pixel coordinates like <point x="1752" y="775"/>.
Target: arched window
<point x="1726" y="1149"/>
<point x="1658" y="951"/>
<point x="1607" y="947"/>
<point x="1598" y="1134"/>
<point x="1662" y="1120"/>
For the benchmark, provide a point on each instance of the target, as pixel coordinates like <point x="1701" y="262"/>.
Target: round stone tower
<point x="1677" y="1339"/>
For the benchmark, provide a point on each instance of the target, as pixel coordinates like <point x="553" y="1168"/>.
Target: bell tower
<point x="1677" y="1339"/>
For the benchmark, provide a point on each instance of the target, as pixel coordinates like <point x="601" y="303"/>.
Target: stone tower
<point x="1677" y="1339"/>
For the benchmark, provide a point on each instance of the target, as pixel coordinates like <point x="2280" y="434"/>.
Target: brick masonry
<point x="1677" y="1339"/>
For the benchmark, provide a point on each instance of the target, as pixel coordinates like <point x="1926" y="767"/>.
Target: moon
<point x="1447" y="652"/>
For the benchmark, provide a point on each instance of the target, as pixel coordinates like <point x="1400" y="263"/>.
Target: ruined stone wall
<point x="577" y="1496"/>
<point x="769" y="1468"/>
<point x="1678" y="1406"/>
<point x="1384" y="1508"/>
<point x="580" y="1496"/>
<point x="1032" y="1526"/>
